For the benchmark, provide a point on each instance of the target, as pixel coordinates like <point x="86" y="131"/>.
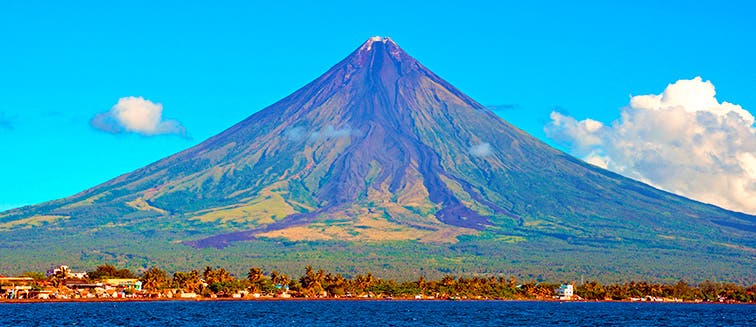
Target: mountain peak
<point x="368" y="45"/>
<point x="381" y="46"/>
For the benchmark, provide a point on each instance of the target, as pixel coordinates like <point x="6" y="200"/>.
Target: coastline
<point x="109" y="284"/>
<point x="301" y="299"/>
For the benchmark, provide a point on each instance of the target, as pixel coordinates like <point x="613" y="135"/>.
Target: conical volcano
<point x="380" y="155"/>
<point x="369" y="139"/>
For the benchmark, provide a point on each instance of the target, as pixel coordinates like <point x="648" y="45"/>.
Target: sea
<point x="374" y="313"/>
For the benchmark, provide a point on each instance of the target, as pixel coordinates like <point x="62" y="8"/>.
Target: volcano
<point x="379" y="164"/>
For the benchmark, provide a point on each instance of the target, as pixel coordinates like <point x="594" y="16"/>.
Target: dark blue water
<point x="374" y="313"/>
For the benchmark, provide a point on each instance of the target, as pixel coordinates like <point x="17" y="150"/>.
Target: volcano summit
<point x="381" y="165"/>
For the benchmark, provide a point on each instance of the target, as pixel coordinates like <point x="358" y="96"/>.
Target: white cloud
<point x="329" y="132"/>
<point x="136" y="115"/>
<point x="295" y="133"/>
<point x="481" y="150"/>
<point x="683" y="140"/>
<point x="582" y="133"/>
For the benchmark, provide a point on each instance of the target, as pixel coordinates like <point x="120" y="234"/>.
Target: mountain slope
<point x="381" y="149"/>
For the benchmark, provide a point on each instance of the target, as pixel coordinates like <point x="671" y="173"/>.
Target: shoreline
<point x="272" y="299"/>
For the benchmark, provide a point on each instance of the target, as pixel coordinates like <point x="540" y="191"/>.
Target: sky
<point x="92" y="90"/>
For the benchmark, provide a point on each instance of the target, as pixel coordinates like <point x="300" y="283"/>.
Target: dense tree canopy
<point x="110" y="271"/>
<point x="317" y="283"/>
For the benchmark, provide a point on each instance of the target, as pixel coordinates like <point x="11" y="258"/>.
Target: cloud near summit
<point x="683" y="140"/>
<point x="136" y="115"/>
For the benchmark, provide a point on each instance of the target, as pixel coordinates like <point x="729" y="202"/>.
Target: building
<point x="565" y="292"/>
<point x="188" y="295"/>
<point x="66" y="272"/>
<point x="15" y="287"/>
<point x="124" y="283"/>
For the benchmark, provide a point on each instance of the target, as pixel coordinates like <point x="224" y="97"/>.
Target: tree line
<point x="313" y="283"/>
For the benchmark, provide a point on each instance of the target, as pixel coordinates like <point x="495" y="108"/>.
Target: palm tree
<point x="335" y="284"/>
<point x="55" y="281"/>
<point x="364" y="282"/>
<point x="275" y="277"/>
<point x="62" y="272"/>
<point x="283" y="280"/>
<point x="592" y="290"/>
<point x="279" y="280"/>
<point x="681" y="290"/>
<point x="312" y="282"/>
<point x="187" y="281"/>
<point x="421" y="284"/>
<point x="154" y="279"/>
<point x="207" y="273"/>
<point x="219" y="275"/>
<point x="255" y="276"/>
<point x="447" y="280"/>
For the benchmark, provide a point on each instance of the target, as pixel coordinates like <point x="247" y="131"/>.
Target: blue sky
<point x="212" y="64"/>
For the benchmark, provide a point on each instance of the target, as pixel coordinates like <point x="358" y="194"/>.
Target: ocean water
<point x="373" y="313"/>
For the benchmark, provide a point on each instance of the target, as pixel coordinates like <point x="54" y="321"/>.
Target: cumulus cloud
<point x="136" y="115"/>
<point x="481" y="150"/>
<point x="683" y="140"/>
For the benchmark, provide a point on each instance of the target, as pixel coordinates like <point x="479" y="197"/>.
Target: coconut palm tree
<point x="335" y="284"/>
<point x="220" y="275"/>
<point x="312" y="282"/>
<point x="283" y="280"/>
<point x="187" y="281"/>
<point x="154" y="279"/>
<point x="364" y="282"/>
<point x="421" y="284"/>
<point x="255" y="276"/>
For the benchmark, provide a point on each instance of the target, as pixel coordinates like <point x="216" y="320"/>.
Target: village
<point x="61" y="283"/>
<point x="108" y="283"/>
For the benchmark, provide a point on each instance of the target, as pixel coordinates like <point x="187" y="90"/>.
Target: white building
<point x="565" y="292"/>
<point x="66" y="272"/>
